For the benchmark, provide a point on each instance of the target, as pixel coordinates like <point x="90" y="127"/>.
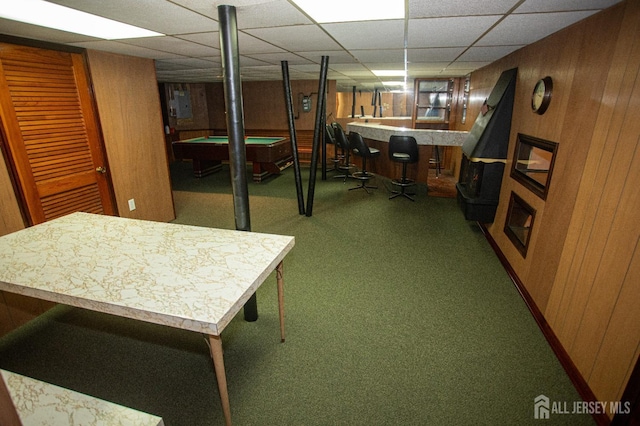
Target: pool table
<point x="269" y="155"/>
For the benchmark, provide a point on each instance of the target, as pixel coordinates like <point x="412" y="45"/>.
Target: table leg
<point x="280" y="281"/>
<point x="218" y="363"/>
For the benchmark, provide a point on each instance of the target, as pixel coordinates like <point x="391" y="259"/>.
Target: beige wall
<point x="582" y="267"/>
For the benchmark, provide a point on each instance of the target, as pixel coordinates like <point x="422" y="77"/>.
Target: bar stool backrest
<point x="405" y="145"/>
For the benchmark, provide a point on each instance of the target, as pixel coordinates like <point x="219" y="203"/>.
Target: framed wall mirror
<point x="532" y="163"/>
<point x="519" y="223"/>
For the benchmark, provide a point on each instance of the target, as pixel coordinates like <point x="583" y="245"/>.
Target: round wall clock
<point x="541" y="95"/>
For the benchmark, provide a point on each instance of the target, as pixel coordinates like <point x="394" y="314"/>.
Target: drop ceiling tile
<point x="246" y="61"/>
<point x="162" y="16"/>
<point x="335" y="57"/>
<point x="307" y="68"/>
<point x="210" y="7"/>
<point x="528" y="28"/>
<point x="436" y="54"/>
<point x="173" y="45"/>
<point x="442" y="8"/>
<point x="210" y="38"/>
<point x="277" y="13"/>
<point x="393" y="56"/>
<point x="436" y="32"/>
<point x="365" y="74"/>
<point x="247" y="44"/>
<point x="186" y="64"/>
<point x="417" y="70"/>
<point x="300" y="37"/>
<point x="487" y="53"/>
<point x="385" y="66"/>
<point x="125" y="49"/>
<point x="252" y="13"/>
<point x="349" y="68"/>
<point x="277" y="58"/>
<point x="563" y="5"/>
<point x="367" y="35"/>
<point x="467" y="65"/>
<point x="19" y="29"/>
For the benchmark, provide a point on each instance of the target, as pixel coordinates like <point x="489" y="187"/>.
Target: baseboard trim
<point x="570" y="368"/>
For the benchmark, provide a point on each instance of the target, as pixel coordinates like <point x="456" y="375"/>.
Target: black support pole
<point x="353" y="104"/>
<point x="323" y="139"/>
<point x="374" y="99"/>
<point x="322" y="84"/>
<point x="235" y="129"/>
<point x="292" y="133"/>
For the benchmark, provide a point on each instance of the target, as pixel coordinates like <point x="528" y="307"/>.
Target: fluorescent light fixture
<point x="389" y="73"/>
<point x="351" y="10"/>
<point x="45" y="14"/>
<point x="393" y="83"/>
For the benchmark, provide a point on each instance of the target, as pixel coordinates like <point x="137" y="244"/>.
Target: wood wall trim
<point x="570" y="368"/>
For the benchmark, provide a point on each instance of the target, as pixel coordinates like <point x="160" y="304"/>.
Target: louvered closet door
<point x="51" y="132"/>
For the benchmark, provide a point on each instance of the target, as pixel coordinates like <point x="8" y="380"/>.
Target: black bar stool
<point x="342" y="142"/>
<point x="361" y="149"/>
<point x="403" y="149"/>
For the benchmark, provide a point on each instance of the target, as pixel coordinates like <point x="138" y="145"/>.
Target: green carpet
<point x="397" y="313"/>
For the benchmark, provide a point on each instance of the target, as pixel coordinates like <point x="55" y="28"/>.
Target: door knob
<point x="101" y="170"/>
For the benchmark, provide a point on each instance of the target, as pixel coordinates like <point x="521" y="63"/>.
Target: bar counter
<point x="381" y="132"/>
<point x="377" y="136"/>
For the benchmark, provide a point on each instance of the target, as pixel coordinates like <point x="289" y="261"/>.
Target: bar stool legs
<point x="403" y="183"/>
<point x="403" y="149"/>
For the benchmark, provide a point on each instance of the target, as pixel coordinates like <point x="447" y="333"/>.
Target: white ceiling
<point x="443" y="37"/>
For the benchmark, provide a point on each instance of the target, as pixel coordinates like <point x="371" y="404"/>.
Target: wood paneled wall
<point x="129" y="107"/>
<point x="264" y="108"/>
<point x="263" y="105"/>
<point x="10" y="215"/>
<point x="582" y="267"/>
<point x="394" y="104"/>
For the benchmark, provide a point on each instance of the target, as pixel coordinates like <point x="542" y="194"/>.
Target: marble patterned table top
<point x="187" y="277"/>
<point x="381" y="132"/>
<point x="44" y="404"/>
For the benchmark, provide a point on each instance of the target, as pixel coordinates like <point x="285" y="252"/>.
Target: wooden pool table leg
<point x="215" y="343"/>
<point x="202" y="168"/>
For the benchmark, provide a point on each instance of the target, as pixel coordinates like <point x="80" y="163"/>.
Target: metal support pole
<point x="353" y="104"/>
<point x="374" y="99"/>
<point x="323" y="139"/>
<point x="292" y="133"/>
<point x="228" y="28"/>
<point x="322" y="84"/>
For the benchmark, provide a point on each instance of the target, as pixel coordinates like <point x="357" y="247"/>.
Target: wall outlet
<point x="132" y="205"/>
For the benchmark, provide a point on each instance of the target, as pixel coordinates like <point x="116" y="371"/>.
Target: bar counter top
<point x="381" y="132"/>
